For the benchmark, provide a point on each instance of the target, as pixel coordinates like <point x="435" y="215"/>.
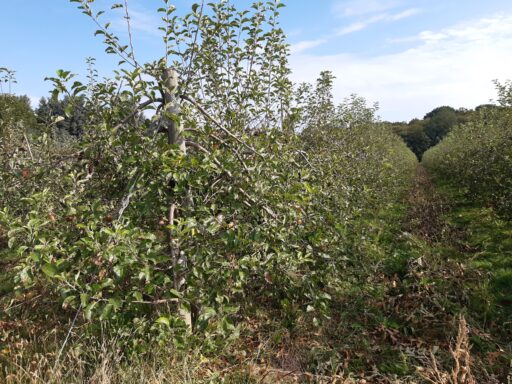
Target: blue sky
<point x="408" y="55"/>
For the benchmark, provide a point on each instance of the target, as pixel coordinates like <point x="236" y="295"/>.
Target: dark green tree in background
<point x="413" y="133"/>
<point x="439" y="122"/>
<point x="420" y="135"/>
<point x="74" y="111"/>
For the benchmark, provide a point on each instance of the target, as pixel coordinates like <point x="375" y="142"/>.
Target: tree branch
<point x="135" y="111"/>
<point x="219" y="125"/>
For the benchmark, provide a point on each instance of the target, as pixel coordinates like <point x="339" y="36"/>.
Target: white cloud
<point x="485" y="29"/>
<point x="404" y="14"/>
<point x="360" y="25"/>
<point x="140" y="20"/>
<point x="454" y="66"/>
<point x="144" y="21"/>
<point x="383" y="17"/>
<point x="348" y="8"/>
<point x="305" y="45"/>
<point x="302" y="46"/>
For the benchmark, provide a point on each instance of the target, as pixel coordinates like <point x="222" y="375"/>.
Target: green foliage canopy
<point x="247" y="216"/>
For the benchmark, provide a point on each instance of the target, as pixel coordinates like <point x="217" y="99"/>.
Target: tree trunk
<point x="174" y="127"/>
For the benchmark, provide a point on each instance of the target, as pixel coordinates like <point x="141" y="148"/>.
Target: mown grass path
<point x="426" y="208"/>
<point x="458" y="263"/>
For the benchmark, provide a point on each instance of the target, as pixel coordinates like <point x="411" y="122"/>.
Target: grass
<point x="485" y="245"/>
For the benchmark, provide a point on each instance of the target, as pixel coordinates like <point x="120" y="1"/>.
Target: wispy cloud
<point x="486" y="29"/>
<point x="302" y="46"/>
<point x="141" y="20"/>
<point x="144" y="21"/>
<point x="452" y="66"/>
<point x="350" y="8"/>
<point x="404" y="14"/>
<point x="383" y="17"/>
<point x="357" y="26"/>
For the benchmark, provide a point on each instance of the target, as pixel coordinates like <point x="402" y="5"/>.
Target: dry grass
<point x="462" y="361"/>
<point x="108" y="367"/>
<point x="105" y="364"/>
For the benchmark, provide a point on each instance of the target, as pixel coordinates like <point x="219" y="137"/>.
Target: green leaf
<point x="227" y="325"/>
<point x="138" y="296"/>
<point x="174" y="293"/>
<point x="89" y="310"/>
<point x="164" y="321"/>
<point x="68" y="110"/>
<point x="116" y="303"/>
<point x="230" y="310"/>
<point x="84" y="299"/>
<point x="49" y="269"/>
<point x="68" y="301"/>
<point x="119" y="271"/>
<point x="107" y="310"/>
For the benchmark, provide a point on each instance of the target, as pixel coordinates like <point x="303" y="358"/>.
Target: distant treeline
<point x="420" y="135"/>
<point x="65" y="117"/>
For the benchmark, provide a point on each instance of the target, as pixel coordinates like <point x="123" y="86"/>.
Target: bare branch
<point x="189" y="69"/>
<point x="134" y="112"/>
<point x="130" y="37"/>
<point x="219" y="125"/>
<point x="28" y="146"/>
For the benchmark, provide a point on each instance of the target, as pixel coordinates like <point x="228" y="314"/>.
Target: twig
<point x="189" y="69"/>
<point x="23" y="303"/>
<point x="130" y="37"/>
<point x="67" y="337"/>
<point x="126" y="200"/>
<point x="28" y="146"/>
<point x="303" y="155"/>
<point x="219" y="125"/>
<point x="154" y="302"/>
<point x="157" y="302"/>
<point x="265" y="208"/>
<point x="170" y="239"/>
<point x="29" y="374"/>
<point x="110" y="38"/>
<point x="134" y="112"/>
<point x="200" y="148"/>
